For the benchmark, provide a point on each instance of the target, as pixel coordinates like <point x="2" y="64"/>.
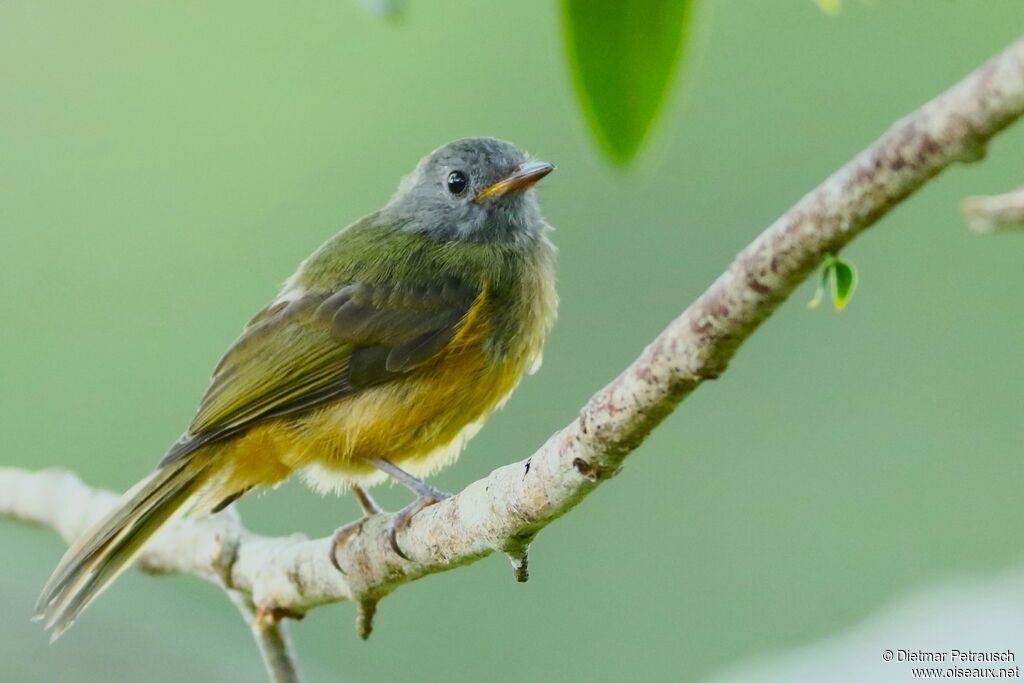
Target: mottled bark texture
<point x="502" y="512"/>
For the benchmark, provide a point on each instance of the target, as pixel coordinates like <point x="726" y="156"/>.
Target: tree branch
<point x="997" y="212"/>
<point x="271" y="639"/>
<point x="503" y="511"/>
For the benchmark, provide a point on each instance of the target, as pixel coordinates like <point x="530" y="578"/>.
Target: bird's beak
<point x="523" y="177"/>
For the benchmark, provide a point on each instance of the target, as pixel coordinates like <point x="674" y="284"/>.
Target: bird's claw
<point x="341" y="537"/>
<point x="403" y="517"/>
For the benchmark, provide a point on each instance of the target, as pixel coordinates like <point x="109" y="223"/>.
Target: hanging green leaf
<point x="839" y="276"/>
<point x="622" y="54"/>
<point x="830" y="6"/>
<point x="844" y="281"/>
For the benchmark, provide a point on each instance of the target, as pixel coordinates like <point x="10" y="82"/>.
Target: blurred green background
<point x="164" y="165"/>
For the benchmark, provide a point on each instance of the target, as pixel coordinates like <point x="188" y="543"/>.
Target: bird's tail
<point x="94" y="561"/>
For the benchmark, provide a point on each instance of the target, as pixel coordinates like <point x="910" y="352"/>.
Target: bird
<point x="381" y="356"/>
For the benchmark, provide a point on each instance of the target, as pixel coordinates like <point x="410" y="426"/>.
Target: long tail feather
<point x="93" y="562"/>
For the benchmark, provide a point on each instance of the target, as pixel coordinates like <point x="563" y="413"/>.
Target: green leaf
<point x="829" y="6"/>
<point x="839" y="276"/>
<point x="844" y="281"/>
<point x="622" y="54"/>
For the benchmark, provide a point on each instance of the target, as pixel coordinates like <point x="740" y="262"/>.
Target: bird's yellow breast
<point x="419" y="421"/>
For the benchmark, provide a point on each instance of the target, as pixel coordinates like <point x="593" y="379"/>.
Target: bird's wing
<point x="322" y="346"/>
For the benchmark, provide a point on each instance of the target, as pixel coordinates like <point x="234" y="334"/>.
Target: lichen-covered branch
<point x="997" y="212"/>
<point x="503" y="511"/>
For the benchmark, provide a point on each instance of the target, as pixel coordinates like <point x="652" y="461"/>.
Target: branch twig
<point x="272" y="641"/>
<point x="997" y="212"/>
<point x="506" y="509"/>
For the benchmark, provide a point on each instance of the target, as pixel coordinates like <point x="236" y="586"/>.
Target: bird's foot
<point x="428" y="496"/>
<point x="369" y="507"/>
<point x="341" y="537"/>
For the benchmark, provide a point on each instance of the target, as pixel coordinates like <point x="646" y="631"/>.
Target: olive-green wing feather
<point x="322" y="346"/>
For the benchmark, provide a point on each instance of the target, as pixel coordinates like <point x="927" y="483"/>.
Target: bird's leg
<point x="366" y="502"/>
<point x="426" y="495"/>
<point x="420" y="488"/>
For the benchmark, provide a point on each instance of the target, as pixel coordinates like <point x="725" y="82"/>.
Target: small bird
<point x="381" y="356"/>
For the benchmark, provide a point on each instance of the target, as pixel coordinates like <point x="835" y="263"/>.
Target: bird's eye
<point x="457" y="182"/>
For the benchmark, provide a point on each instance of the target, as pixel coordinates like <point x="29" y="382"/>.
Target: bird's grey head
<point x="474" y="190"/>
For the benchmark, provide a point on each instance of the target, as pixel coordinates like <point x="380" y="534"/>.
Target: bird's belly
<point x="420" y="422"/>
